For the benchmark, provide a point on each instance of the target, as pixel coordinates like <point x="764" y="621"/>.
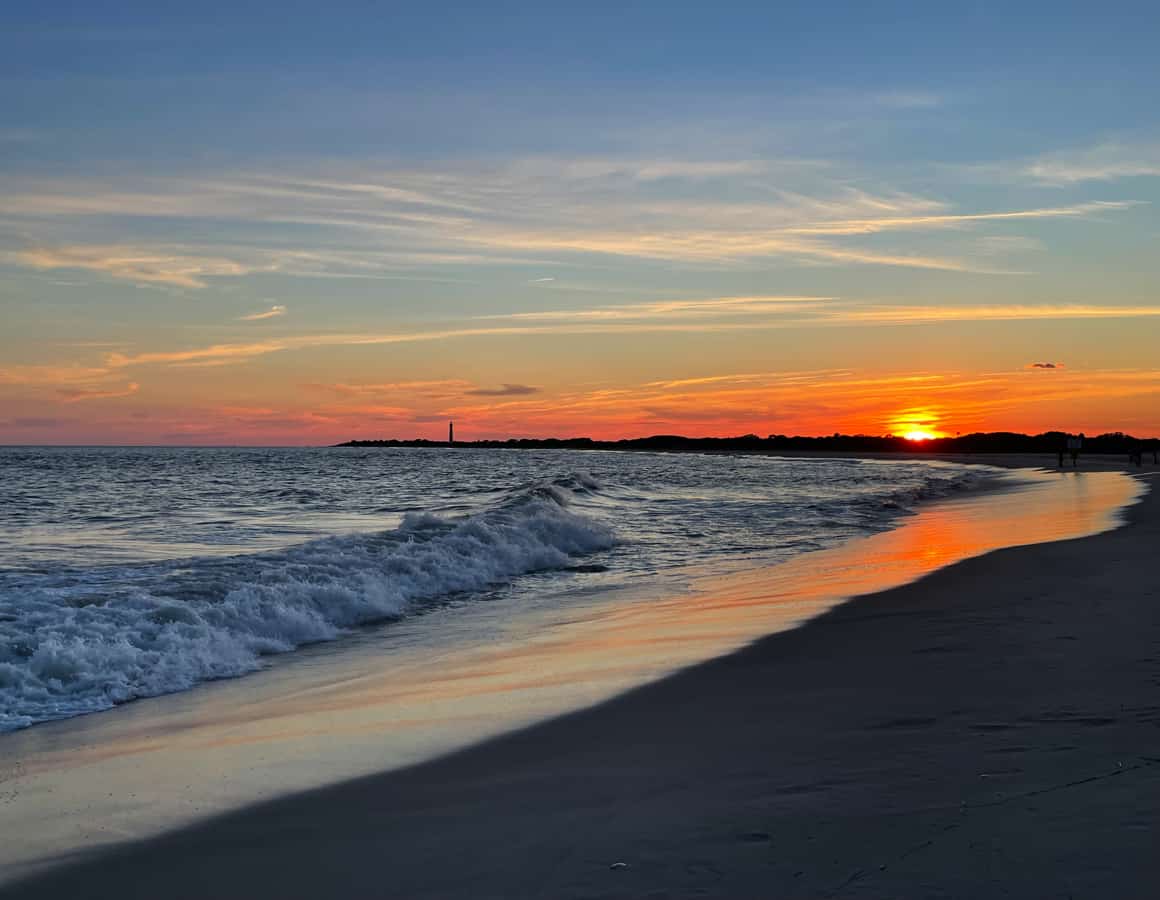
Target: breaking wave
<point x="133" y="573"/>
<point x="88" y="639"/>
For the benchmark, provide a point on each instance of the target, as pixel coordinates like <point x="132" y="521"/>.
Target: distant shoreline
<point x="1052" y="442"/>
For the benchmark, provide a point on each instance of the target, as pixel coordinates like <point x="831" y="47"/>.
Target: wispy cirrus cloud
<point x="671" y="309"/>
<point x="271" y="313"/>
<point x="809" y="229"/>
<point x="1107" y="160"/>
<point x="77" y="395"/>
<point x="523" y="211"/>
<point x="748" y="378"/>
<point x="1102" y="162"/>
<point x="648" y="318"/>
<point x="589" y="169"/>
<point x="236" y="352"/>
<point x="427" y="390"/>
<point x="216" y="354"/>
<point x="907" y="223"/>
<point x="786" y="311"/>
<point x="988" y="313"/>
<point x="36" y="375"/>
<point x="70" y="383"/>
<point x="439" y="388"/>
<point x="140" y="264"/>
<point x="505" y="390"/>
<point x="714" y="247"/>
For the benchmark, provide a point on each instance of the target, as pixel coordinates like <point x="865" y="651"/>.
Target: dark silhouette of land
<point x="990" y="442"/>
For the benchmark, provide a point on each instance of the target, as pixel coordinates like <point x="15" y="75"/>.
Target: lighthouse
<point x="451" y="432"/>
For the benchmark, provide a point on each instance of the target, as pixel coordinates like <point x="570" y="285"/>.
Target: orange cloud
<point x="974" y="313"/>
<point x="51" y="375"/>
<point x="709" y="247"/>
<point x="76" y="395"/>
<point x="768" y="312"/>
<point x="451" y="387"/>
<point x="791" y="402"/>
<point x="144" y="265"/>
<point x="672" y="309"/>
<point x="505" y="390"/>
<point x="820" y="403"/>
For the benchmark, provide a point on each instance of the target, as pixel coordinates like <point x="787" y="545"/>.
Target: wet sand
<point x="991" y="729"/>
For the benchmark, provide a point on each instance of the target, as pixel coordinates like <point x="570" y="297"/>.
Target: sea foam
<point x="132" y="572"/>
<point x="68" y="649"/>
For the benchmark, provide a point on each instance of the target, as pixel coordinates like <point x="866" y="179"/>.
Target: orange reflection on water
<point x="570" y="658"/>
<point x="342" y="711"/>
<point x="638" y="641"/>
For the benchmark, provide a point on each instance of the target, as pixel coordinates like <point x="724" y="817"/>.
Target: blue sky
<point x="285" y="177"/>
<point x="213" y="80"/>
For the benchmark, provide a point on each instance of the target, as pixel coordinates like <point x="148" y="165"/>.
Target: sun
<point x="917" y="423"/>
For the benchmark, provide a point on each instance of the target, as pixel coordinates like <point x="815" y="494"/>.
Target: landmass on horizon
<point x="979" y="442"/>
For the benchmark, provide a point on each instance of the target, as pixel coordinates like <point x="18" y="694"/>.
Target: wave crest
<point x="64" y="652"/>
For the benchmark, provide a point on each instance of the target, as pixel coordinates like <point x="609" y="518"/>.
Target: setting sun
<point x="919" y="435"/>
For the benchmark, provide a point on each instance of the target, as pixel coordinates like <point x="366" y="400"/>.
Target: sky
<point x="292" y="223"/>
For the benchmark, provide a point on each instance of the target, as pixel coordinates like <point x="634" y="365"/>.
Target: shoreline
<point x="667" y="707"/>
<point x="725" y="566"/>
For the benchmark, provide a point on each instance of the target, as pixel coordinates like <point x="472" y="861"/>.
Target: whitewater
<point x="136" y="572"/>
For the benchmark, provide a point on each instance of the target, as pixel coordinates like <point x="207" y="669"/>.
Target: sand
<point x="990" y="730"/>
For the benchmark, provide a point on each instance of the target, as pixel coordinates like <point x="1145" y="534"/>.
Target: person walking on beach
<point x="1074" y="445"/>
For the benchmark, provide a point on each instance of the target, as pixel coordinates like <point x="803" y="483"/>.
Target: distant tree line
<point x="989" y="442"/>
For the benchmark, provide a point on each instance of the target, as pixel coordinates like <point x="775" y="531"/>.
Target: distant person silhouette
<point x="1074" y="445"/>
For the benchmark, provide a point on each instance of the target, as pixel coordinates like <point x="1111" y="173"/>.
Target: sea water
<point x="135" y="572"/>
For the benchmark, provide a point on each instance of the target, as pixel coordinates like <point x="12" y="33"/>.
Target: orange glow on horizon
<point x="172" y="407"/>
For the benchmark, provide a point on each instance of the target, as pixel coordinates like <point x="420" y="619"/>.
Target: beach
<point x="579" y="451"/>
<point x="989" y="729"/>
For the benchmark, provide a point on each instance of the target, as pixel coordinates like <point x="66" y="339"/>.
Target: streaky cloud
<point x="667" y="309"/>
<point x="791" y="316"/>
<point x="893" y="223"/>
<point x="478" y="214"/>
<point x="505" y="390"/>
<point x="143" y="265"/>
<point x="244" y="352"/>
<point x="1104" y="162"/>
<point x="273" y="312"/>
<point x="34" y="375"/>
<point x="917" y="314"/>
<point x="77" y="395"/>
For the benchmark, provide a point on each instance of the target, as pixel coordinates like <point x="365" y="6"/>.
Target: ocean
<point x="137" y="572"/>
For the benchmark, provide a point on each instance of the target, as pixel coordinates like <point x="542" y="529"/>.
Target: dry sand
<point x="991" y="730"/>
